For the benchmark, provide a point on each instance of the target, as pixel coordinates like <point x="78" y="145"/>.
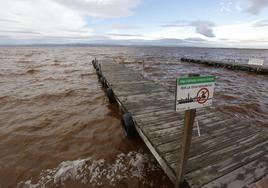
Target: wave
<point x="97" y="172"/>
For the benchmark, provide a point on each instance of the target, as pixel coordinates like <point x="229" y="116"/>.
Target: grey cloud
<point x="256" y="6"/>
<point x="203" y="27"/>
<point x="262" y="23"/>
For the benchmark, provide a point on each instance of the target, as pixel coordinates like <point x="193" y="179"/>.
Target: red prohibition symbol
<point x="202" y="95"/>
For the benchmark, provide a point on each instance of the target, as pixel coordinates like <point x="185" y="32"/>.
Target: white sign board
<point x="255" y="61"/>
<point x="194" y="92"/>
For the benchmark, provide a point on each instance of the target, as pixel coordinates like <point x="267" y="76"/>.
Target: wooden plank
<point x="124" y="82"/>
<point x="243" y="176"/>
<point x="200" y="116"/>
<point x="155" y="125"/>
<point x="167" y="131"/>
<point x="212" y="156"/>
<point x="215" y="144"/>
<point x="121" y="79"/>
<point x="122" y="93"/>
<point x="223" y="141"/>
<point x="206" y="174"/>
<point x="137" y="109"/>
<point x="157" y="104"/>
<point x="196" y="139"/>
<point x="146" y="97"/>
<point x="156" y="118"/>
<point x="147" y="112"/>
<point x="128" y="77"/>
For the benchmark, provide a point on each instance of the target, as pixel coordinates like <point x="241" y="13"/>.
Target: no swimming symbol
<point x="202" y="95"/>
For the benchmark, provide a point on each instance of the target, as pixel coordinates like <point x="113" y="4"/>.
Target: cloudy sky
<point x="220" y="23"/>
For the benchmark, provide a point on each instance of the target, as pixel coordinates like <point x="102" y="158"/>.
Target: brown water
<point x="58" y="129"/>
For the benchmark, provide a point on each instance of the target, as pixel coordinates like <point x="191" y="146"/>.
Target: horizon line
<point x="128" y="45"/>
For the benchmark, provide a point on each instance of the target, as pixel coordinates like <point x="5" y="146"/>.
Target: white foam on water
<point x="95" y="172"/>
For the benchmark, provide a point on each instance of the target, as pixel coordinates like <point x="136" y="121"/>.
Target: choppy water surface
<point x="58" y="129"/>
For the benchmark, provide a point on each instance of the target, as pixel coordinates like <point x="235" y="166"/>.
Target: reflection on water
<point x="57" y="127"/>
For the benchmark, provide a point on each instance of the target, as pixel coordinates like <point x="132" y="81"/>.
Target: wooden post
<point x="187" y="130"/>
<point x="189" y="116"/>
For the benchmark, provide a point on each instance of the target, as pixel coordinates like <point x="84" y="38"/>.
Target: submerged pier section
<point x="229" y="65"/>
<point x="229" y="153"/>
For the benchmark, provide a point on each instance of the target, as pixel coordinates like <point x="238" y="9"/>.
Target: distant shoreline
<point x="125" y="45"/>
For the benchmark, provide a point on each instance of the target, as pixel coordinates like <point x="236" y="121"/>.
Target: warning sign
<point x="194" y="92"/>
<point x="202" y="95"/>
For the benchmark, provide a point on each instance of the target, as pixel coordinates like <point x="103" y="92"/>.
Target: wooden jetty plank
<point x="225" y="146"/>
<point x="152" y="126"/>
<point x="136" y="110"/>
<point x="139" y="98"/>
<point x="242" y="176"/>
<point x="150" y="104"/>
<point x="207" y="174"/>
<point x="149" y="119"/>
<point x="201" y="115"/>
<point x="140" y="105"/>
<point x="198" y="140"/>
<point x="167" y="131"/>
<point x="197" y="149"/>
<point x="130" y="91"/>
<point x="210" y="155"/>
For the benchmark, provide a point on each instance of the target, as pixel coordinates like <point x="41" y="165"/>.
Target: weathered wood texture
<point x="229" y="153"/>
<point x="186" y="139"/>
<point x="229" y="65"/>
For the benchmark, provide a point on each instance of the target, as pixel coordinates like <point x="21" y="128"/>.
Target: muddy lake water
<point x="57" y="128"/>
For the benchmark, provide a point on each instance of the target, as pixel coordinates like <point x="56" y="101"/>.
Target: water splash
<point x="94" y="172"/>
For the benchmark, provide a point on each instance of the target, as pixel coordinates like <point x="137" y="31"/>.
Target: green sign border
<point x="195" y="80"/>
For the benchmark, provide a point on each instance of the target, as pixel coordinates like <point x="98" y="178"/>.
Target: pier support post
<point x="187" y="130"/>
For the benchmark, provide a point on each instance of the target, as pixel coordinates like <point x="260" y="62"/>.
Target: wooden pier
<point x="229" y="65"/>
<point x="229" y="153"/>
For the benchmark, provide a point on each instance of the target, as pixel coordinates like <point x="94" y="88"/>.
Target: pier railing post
<point x="187" y="130"/>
